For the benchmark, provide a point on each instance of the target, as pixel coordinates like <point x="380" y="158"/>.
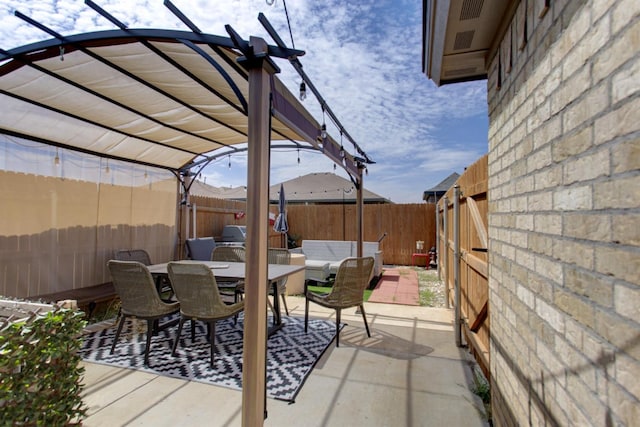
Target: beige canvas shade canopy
<point x="175" y="100"/>
<point x="161" y="98"/>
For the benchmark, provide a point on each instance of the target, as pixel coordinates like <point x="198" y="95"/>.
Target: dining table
<point x="223" y="270"/>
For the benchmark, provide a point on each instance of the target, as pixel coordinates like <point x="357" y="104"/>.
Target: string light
<point x="61" y="53"/>
<point x="107" y="170"/>
<point x="298" y="156"/>
<point x="341" y="147"/>
<point x="303" y="90"/>
<point x="229" y="161"/>
<point x="334" y="166"/>
<point x="56" y="160"/>
<point x="323" y="129"/>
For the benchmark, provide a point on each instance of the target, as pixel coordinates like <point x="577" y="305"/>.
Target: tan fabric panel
<point x="111" y="83"/>
<point x="44" y="124"/>
<point x="146" y="108"/>
<point x="57" y="234"/>
<point x="201" y="68"/>
<point x="147" y="65"/>
<point x="33" y="204"/>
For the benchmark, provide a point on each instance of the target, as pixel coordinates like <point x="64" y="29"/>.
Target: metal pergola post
<point x="255" y="318"/>
<point x="186" y="185"/>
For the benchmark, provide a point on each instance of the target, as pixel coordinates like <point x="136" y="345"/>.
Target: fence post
<point x="194" y="211"/>
<point x="438" y="239"/>
<point x="456" y="262"/>
<point x="445" y="252"/>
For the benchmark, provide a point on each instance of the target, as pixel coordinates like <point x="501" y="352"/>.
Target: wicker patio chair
<point x="347" y="291"/>
<point x="138" y="298"/>
<point x="140" y="255"/>
<point x="230" y="254"/>
<point x="200" y="248"/>
<point x="197" y="290"/>
<point x="280" y="256"/>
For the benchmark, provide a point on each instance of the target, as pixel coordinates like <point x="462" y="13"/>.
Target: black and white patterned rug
<point x="291" y="354"/>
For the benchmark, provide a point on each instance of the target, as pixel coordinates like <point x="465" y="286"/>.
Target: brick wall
<point x="564" y="215"/>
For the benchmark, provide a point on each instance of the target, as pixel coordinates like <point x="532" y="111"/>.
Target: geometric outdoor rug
<point x="291" y="354"/>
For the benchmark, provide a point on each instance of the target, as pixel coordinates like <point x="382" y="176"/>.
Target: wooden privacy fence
<point x="462" y="245"/>
<point x="403" y="224"/>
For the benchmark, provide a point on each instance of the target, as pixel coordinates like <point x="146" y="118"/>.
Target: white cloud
<point x="364" y="57"/>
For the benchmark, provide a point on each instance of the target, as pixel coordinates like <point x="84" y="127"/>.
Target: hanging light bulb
<point x="107" y="170"/>
<point x="270" y="2"/>
<point x="146" y="175"/>
<point x="61" y="53"/>
<point x="334" y="166"/>
<point x="303" y="90"/>
<point x="229" y="161"/>
<point x="298" y="156"/>
<point x="56" y="160"/>
<point x="323" y="129"/>
<point x="366" y="171"/>
<point x="341" y="147"/>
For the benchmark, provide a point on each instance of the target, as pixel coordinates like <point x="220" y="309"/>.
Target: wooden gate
<point x="462" y="244"/>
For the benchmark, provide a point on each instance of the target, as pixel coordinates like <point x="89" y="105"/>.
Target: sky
<point x="365" y="59"/>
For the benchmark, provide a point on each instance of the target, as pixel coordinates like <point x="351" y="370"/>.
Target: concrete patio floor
<point x="409" y="373"/>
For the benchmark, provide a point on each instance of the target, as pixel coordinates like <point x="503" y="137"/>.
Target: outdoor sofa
<point x="323" y="257"/>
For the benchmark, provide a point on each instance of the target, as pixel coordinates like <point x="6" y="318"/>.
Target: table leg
<point x="277" y="318"/>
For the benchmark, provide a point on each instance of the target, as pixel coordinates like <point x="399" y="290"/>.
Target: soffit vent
<point x="461" y="72"/>
<point x="463" y="40"/>
<point x="471" y="9"/>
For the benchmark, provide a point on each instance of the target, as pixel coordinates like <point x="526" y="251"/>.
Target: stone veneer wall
<point x="564" y="215"/>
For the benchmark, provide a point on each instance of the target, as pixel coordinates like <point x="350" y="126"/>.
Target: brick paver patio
<point x="397" y="286"/>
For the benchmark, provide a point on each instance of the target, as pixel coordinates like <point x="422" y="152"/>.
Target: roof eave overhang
<point x="459" y="37"/>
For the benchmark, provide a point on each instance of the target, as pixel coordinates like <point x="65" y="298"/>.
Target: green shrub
<point x="40" y="376"/>
<point x="482" y="389"/>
